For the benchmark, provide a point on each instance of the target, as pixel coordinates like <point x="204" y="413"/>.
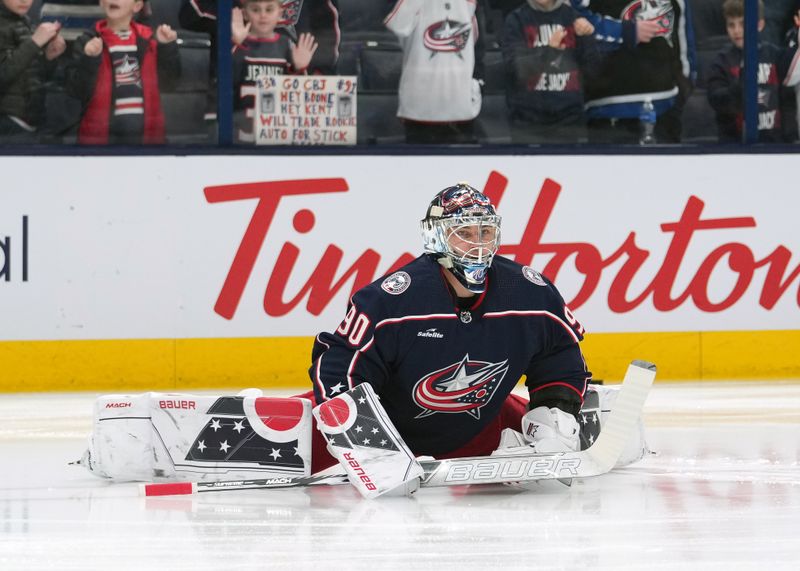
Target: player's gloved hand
<point x="551" y="430"/>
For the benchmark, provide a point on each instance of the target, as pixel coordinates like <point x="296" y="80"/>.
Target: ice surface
<point x="722" y="492"/>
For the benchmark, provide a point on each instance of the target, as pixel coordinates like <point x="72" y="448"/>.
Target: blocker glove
<point x="551" y="430"/>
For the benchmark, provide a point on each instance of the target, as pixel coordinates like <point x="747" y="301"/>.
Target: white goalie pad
<point x="366" y="443"/>
<point x="199" y="438"/>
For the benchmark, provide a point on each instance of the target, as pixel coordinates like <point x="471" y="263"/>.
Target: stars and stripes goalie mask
<point x="462" y="230"/>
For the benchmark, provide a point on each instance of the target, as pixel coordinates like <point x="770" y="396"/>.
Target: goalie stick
<point x="598" y="459"/>
<point x="183" y="488"/>
<point x="594" y="461"/>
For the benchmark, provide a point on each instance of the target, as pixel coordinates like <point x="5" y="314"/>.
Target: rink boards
<point x="191" y="272"/>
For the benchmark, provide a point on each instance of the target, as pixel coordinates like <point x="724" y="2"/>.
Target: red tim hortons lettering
<point x="268" y="195"/>
<point x="590" y="262"/>
<point x="322" y="285"/>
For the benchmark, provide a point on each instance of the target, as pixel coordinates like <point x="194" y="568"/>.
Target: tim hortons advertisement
<point x="187" y="247"/>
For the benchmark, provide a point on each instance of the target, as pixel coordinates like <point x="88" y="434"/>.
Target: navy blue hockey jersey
<point x="254" y="58"/>
<point x="545" y="84"/>
<point x="442" y="372"/>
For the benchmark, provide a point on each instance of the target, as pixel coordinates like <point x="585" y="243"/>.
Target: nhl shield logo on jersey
<point x="466" y="386"/>
<point x="533" y="276"/>
<point x="397" y="283"/>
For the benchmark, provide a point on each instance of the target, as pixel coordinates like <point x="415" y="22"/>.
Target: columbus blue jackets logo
<point x="290" y="12"/>
<point x="659" y="11"/>
<point x="397" y="283"/>
<point x="127" y="71"/>
<point x="446" y="36"/>
<point x="466" y="386"/>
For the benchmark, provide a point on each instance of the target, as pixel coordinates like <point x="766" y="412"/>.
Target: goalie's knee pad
<point x="597" y="404"/>
<point x="363" y="439"/>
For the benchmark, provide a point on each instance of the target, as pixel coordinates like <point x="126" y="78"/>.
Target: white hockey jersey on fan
<point x="438" y="40"/>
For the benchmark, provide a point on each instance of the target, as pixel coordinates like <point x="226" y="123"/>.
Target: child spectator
<point x="439" y="97"/>
<point x="776" y="108"/>
<point x="793" y="38"/>
<point x="117" y="73"/>
<point x="27" y="57"/>
<point x="319" y="18"/>
<point x="650" y="58"/>
<point x="260" y="50"/>
<point x="546" y="45"/>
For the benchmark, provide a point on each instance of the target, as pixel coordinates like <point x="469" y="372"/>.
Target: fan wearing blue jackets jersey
<point x="547" y="50"/>
<point x="444" y="340"/>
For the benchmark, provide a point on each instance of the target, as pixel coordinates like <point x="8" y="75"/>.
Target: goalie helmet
<point x="462" y="230"/>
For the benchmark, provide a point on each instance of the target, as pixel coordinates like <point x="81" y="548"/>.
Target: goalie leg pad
<point x="199" y="438"/>
<point x="363" y="439"/>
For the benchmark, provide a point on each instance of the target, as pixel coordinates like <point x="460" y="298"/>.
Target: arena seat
<point x="75" y="17"/>
<point x="494" y="72"/>
<point x="183" y="117"/>
<point x="348" y="57"/>
<point x="358" y="16"/>
<point x="491" y="125"/>
<point x="707" y="20"/>
<point x="166" y="12"/>
<point x="705" y="57"/>
<point x="699" y="123"/>
<point x="63" y="116"/>
<point x="194" y="54"/>
<point x="378" y="123"/>
<point x="379" y="67"/>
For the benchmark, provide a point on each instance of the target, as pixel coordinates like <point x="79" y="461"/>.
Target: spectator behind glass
<point x="27" y="58"/>
<point x="259" y="50"/>
<point x="793" y="38"/>
<point x="651" y="44"/>
<point x="317" y="17"/>
<point x="546" y="45"/>
<point x="776" y="106"/>
<point x="115" y="74"/>
<point x="438" y="96"/>
<point x="778" y="20"/>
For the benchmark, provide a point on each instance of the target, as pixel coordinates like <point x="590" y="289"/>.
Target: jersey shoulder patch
<point x="396" y="283"/>
<point x="533" y="276"/>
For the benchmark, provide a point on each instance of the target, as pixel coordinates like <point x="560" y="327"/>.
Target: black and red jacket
<point x="776" y="106"/>
<point x="90" y="79"/>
